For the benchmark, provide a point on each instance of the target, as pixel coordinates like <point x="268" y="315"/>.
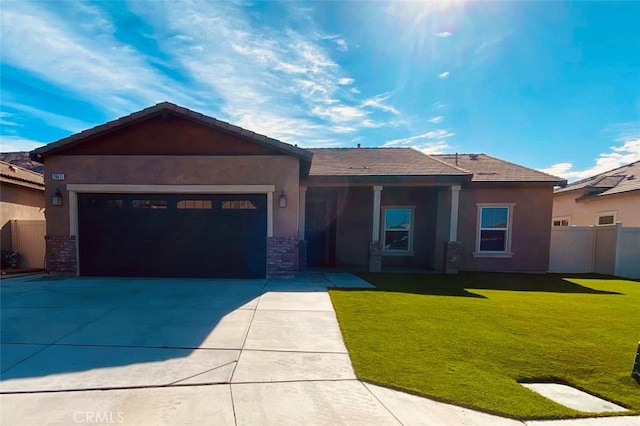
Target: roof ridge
<point x="444" y="162"/>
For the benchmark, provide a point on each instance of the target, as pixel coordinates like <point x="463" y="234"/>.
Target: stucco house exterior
<point x="22" y="216"/>
<point x="167" y="191"/>
<point x="603" y="199"/>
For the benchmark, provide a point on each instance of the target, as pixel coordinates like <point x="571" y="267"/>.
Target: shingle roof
<point x="163" y="107"/>
<point x="378" y="162"/>
<point x="490" y="169"/>
<point x="17" y="175"/>
<point x="622" y="179"/>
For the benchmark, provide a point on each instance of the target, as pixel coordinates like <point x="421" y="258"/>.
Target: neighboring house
<point x="604" y="199"/>
<point x="22" y="214"/>
<point x="170" y="192"/>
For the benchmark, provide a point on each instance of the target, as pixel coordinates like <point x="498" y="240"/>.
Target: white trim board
<point x="172" y="189"/>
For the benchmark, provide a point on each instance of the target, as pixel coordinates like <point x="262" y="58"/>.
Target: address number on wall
<point x="57" y="176"/>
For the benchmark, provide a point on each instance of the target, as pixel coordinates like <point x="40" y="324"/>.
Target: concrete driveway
<point x="190" y="351"/>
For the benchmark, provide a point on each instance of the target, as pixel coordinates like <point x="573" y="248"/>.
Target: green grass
<point x="470" y="338"/>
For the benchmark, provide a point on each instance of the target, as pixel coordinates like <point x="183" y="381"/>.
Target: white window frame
<point x="561" y="218"/>
<point x="605" y="214"/>
<point x="508" y="230"/>
<point x="409" y="251"/>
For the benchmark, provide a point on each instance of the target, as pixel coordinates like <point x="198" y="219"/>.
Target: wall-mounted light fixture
<point x="56" y="200"/>
<point x="283" y="200"/>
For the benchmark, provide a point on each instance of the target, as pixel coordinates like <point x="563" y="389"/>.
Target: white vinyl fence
<point x="612" y="249"/>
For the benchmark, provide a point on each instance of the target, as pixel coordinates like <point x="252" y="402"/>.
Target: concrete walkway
<point x="222" y="352"/>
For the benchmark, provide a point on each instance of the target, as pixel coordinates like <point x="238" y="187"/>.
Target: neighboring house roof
<point x="490" y="169"/>
<point x="622" y="179"/>
<point x="17" y="175"/>
<point x="163" y="108"/>
<point x="21" y="158"/>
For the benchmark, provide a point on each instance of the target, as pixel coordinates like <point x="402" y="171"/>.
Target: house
<point x="603" y="199"/>
<point x="167" y="191"/>
<point x="22" y="218"/>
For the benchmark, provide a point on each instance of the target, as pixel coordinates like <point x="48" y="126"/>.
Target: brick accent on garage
<point x="282" y="257"/>
<point x="61" y="254"/>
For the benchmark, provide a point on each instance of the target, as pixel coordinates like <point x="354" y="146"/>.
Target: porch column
<point x="375" y="249"/>
<point x="455" y="201"/>
<point x="451" y="259"/>
<point x="377" y="193"/>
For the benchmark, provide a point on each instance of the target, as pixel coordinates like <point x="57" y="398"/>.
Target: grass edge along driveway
<point x="469" y="339"/>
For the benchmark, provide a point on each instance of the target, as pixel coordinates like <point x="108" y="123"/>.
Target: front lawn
<point x="470" y="338"/>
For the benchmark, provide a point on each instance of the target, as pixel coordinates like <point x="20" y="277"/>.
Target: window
<point x="397" y="229"/>
<point x="195" y="204"/>
<point x="149" y="204"/>
<point x="494" y="224"/>
<point x="238" y="205"/>
<point x="606" y="219"/>
<point x="560" y="221"/>
<point x="104" y="203"/>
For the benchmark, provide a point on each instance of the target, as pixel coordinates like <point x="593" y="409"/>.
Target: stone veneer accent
<point x="282" y="257"/>
<point x="375" y="256"/>
<point x="61" y="254"/>
<point x="451" y="258"/>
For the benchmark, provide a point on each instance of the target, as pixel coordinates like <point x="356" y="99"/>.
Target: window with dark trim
<point x="397" y="229"/>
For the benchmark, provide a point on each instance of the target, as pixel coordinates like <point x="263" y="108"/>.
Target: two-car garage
<point x="172" y="235"/>
<point x="169" y="192"/>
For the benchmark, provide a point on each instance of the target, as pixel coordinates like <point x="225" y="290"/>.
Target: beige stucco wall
<point x="18" y="203"/>
<point x="281" y="171"/>
<point x="530" y="232"/>
<point x="585" y="213"/>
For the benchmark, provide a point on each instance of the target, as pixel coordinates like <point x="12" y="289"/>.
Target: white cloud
<point x="618" y="156"/>
<point x="16" y="143"/>
<point x="342" y="45"/>
<point x="378" y="103"/>
<point x="83" y="59"/>
<point x="438" y="135"/>
<point x="63" y="122"/>
<point x="436" y="120"/>
<point x="6" y="119"/>
<point x="345" y="81"/>
<point x="444" y="74"/>
<point x="444" y="34"/>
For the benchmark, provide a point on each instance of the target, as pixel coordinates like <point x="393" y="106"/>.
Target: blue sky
<point x="550" y="85"/>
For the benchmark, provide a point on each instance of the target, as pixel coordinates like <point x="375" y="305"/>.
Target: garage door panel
<point x="172" y="235"/>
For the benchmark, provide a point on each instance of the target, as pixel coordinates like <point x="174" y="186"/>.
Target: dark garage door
<point x="171" y="235"/>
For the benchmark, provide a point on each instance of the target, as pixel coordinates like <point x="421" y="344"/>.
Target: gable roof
<point x="389" y="163"/>
<point x="622" y="179"/>
<point x="10" y="173"/>
<point x="39" y="154"/>
<point x="490" y="169"/>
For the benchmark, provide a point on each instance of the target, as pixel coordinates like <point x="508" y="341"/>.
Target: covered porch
<point x="379" y="225"/>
